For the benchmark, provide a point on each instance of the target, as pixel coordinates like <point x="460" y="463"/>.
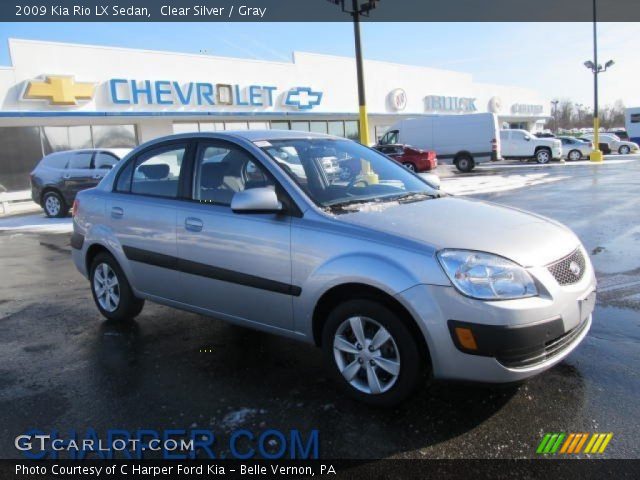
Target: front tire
<point x="624" y="150"/>
<point x="54" y="205"/>
<point x="111" y="290"/>
<point x="543" y="156"/>
<point x="574" y="155"/>
<point x="371" y="353"/>
<point x="465" y="163"/>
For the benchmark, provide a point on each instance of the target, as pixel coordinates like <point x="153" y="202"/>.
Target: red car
<point x="413" y="158"/>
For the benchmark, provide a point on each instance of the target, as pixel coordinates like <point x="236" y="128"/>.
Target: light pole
<point x="555" y="115"/>
<point x="356" y="10"/>
<point x="596" y="68"/>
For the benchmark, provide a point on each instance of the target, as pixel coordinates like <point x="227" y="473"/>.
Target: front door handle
<point x="98" y="176"/>
<point x="117" y="212"/>
<point x="193" y="224"/>
<point x="66" y="176"/>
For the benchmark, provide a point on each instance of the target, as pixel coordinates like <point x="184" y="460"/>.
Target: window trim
<point x="103" y="152"/>
<point x="186" y="160"/>
<point x="290" y="208"/>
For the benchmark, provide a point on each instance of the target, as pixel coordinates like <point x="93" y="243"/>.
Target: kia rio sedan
<point x="394" y="280"/>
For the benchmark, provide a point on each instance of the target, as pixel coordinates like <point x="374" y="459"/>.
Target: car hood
<point x="449" y="222"/>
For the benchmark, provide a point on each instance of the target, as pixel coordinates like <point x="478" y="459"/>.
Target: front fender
<point x="369" y="269"/>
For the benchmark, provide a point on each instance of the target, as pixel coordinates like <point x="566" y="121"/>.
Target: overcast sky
<point x="545" y="56"/>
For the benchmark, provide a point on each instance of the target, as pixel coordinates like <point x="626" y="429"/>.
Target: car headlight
<point x="486" y="276"/>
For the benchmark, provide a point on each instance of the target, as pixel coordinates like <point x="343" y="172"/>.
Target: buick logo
<point x="398" y="99"/>
<point x="495" y="104"/>
<point x="575" y="269"/>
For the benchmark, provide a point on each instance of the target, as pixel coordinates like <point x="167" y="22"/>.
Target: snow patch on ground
<point x="233" y="420"/>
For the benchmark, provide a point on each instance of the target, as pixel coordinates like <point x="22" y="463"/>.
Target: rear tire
<point x="377" y="372"/>
<point x="543" y="156"/>
<point x="54" y="205"/>
<point x="410" y="166"/>
<point x="574" y="155"/>
<point x="624" y="150"/>
<point x="111" y="290"/>
<point x="465" y="163"/>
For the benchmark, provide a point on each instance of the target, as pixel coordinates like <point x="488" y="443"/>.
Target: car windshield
<point x="335" y="172"/>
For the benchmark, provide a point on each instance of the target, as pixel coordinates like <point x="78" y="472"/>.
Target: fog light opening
<point x="466" y="338"/>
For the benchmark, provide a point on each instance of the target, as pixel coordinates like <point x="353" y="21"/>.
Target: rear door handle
<point x="193" y="224"/>
<point x="66" y="176"/>
<point x="117" y="212"/>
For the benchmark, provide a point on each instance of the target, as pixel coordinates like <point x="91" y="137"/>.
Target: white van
<point x="465" y="139"/>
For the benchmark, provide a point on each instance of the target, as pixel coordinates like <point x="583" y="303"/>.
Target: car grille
<point x="570" y="269"/>
<point x="540" y="354"/>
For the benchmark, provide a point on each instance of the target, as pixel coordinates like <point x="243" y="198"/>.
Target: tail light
<point x="74" y="209"/>
<point x="494" y="145"/>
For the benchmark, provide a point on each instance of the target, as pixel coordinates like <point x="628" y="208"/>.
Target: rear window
<point x="105" y="161"/>
<point x="55" y="160"/>
<point x="80" y="160"/>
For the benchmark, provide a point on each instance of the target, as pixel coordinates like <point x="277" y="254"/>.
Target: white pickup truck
<point x="522" y="145"/>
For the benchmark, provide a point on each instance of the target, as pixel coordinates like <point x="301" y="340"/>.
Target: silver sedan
<point x="396" y="281"/>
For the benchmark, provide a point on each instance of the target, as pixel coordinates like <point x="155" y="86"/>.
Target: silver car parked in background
<point x="394" y="280"/>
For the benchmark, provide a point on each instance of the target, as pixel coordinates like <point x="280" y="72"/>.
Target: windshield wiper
<point x="412" y="197"/>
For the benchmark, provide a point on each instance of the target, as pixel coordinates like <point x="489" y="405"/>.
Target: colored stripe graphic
<point x="572" y="443"/>
<point x="550" y="443"/>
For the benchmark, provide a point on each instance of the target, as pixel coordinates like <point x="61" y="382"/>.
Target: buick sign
<point x="398" y="99"/>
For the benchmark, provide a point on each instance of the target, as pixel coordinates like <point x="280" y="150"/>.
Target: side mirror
<point x="256" y="200"/>
<point x="527" y="138"/>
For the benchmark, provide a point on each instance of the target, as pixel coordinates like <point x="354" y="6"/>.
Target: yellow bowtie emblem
<point x="59" y="90"/>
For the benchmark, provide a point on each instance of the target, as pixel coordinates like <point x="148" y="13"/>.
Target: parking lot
<point x="62" y="367"/>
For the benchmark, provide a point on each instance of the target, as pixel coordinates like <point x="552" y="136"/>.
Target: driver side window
<point x="223" y="170"/>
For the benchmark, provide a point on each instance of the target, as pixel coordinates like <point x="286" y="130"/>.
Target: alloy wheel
<point x="106" y="287"/>
<point x="575" y="155"/>
<point x="52" y="205"/>
<point x="543" y="156"/>
<point x="367" y="355"/>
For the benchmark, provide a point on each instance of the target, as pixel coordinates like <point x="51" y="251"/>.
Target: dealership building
<point x="58" y="96"/>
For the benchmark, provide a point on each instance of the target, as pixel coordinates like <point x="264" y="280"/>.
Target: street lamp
<point x="555" y="114"/>
<point x="356" y="8"/>
<point x="596" y="69"/>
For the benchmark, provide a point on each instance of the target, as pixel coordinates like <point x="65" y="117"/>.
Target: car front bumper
<point x="516" y="339"/>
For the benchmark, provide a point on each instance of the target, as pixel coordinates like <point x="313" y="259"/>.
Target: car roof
<point x="119" y="152"/>
<point x="254" y="135"/>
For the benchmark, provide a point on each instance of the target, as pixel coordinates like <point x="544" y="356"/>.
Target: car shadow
<point x="209" y="374"/>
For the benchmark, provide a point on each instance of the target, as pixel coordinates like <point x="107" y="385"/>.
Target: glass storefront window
<point x="336" y="128"/>
<point x="21" y="151"/>
<point x="280" y="125"/>
<point x="351" y="130"/>
<point x="55" y="139"/>
<point x="258" y="125"/>
<point x="184" y="127"/>
<point x="236" y="126"/>
<point x="318" y="127"/>
<point x="114" y="136"/>
<point x="80" y="137"/>
<point x="300" y="126"/>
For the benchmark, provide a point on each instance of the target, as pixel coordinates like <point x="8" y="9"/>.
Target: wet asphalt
<point x="62" y="367"/>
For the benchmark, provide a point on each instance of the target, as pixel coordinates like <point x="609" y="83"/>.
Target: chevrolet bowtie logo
<point x="303" y="98"/>
<point x="59" y="90"/>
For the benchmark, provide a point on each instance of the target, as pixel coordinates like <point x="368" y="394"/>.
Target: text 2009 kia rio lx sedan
<point x="394" y="280"/>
